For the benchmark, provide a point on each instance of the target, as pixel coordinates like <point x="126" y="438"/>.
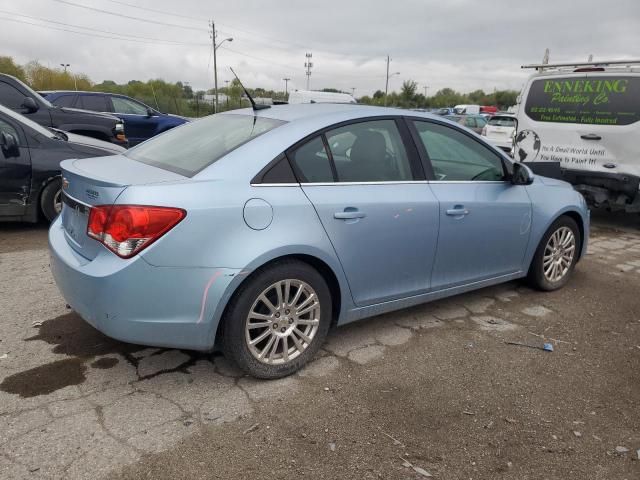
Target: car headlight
<point x="119" y="127"/>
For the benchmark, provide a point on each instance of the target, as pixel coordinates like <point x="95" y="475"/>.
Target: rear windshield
<point x="188" y="149"/>
<point x="502" y="121"/>
<point x="592" y="100"/>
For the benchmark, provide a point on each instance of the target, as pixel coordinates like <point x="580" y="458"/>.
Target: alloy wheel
<point x="558" y="254"/>
<point x="57" y="202"/>
<point x="282" y="321"/>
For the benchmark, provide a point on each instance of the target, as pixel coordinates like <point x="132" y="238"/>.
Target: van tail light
<point x="128" y="229"/>
<point x="484" y="131"/>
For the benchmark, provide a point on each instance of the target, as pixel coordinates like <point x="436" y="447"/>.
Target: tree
<point x="378" y="94"/>
<point x="408" y="90"/>
<point x="8" y="66"/>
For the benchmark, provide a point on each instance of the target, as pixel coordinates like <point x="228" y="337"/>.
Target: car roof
<point x="341" y="112"/>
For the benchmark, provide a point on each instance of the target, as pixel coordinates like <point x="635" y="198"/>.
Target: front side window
<point x="456" y="156"/>
<point x="369" y="152"/>
<point x="10" y="96"/>
<point x="124" y="105"/>
<point x="194" y="146"/>
<point x="592" y="100"/>
<point x="9" y="130"/>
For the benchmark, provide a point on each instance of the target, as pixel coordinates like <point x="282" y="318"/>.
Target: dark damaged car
<point x="20" y="98"/>
<point x="30" y="156"/>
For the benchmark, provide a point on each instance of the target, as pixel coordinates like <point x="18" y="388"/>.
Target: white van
<point x="310" y="96"/>
<point x="467" y="109"/>
<point x="586" y="118"/>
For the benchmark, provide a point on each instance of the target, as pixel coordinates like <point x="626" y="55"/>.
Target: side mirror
<point x="30" y="105"/>
<point x="522" y="175"/>
<point x="149" y="112"/>
<point x="9" y="145"/>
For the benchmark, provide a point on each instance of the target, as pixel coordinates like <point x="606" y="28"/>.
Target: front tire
<point x="277" y="320"/>
<point x="51" y="199"/>
<point x="556" y="256"/>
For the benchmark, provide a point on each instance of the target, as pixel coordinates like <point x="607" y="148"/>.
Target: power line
<point x="96" y="35"/>
<point x="173" y="14"/>
<point x="107" y="12"/>
<point x="231" y="27"/>
<point x="103" y="31"/>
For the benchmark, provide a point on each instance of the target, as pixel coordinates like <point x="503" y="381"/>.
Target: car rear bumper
<point x="133" y="301"/>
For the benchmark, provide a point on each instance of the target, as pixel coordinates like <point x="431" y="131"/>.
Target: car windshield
<point x="27" y="122"/>
<point x="188" y="149"/>
<point x="453" y="118"/>
<point x="502" y="121"/>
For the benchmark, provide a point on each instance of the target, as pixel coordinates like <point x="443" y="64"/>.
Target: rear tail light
<point x="484" y="131"/>
<point x="128" y="229"/>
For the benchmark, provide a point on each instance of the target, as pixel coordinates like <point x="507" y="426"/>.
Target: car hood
<point x="78" y="111"/>
<point x="84" y="141"/>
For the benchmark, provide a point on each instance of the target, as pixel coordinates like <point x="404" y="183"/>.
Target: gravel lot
<point x="432" y="390"/>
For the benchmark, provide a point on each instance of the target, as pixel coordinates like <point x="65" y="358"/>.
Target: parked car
<point x="141" y="122"/>
<point x="259" y="230"/>
<point x="19" y="97"/>
<point x="474" y="122"/>
<point x="586" y="117"/>
<point x="444" y="111"/>
<point x="467" y="109"/>
<point x="500" y="130"/>
<point x="30" y="156"/>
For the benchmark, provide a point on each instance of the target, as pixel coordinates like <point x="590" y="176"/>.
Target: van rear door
<point x="585" y="121"/>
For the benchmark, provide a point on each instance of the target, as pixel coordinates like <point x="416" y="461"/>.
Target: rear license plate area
<point x="75" y="216"/>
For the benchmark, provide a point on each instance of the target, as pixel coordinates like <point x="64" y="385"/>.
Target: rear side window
<point x="96" y="103"/>
<point x="194" y="146"/>
<point x="591" y="100"/>
<point x="65" y="100"/>
<point x="369" y="152"/>
<point x="502" y="122"/>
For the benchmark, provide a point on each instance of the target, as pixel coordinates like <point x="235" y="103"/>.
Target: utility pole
<point x="426" y="89"/>
<point x="308" y="65"/>
<point x="65" y="65"/>
<point x="213" y="34"/>
<point x="386" y="86"/>
<point x="286" y="82"/>
<point x="353" y="91"/>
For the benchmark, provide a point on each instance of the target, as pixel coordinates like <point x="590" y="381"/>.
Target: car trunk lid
<point x="99" y="181"/>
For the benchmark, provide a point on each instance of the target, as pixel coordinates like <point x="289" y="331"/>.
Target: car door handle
<point x="591" y="136"/>
<point x="458" y="211"/>
<point x="349" y="214"/>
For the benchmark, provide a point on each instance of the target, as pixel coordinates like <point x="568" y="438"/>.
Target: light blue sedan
<point x="257" y="231"/>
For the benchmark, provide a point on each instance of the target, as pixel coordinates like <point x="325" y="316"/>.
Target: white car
<point x="585" y="117"/>
<point x="499" y="130"/>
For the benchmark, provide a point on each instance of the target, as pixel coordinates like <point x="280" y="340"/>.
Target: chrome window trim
<point x="274" y="184"/>
<point x="470" y="181"/>
<point x="399" y="182"/>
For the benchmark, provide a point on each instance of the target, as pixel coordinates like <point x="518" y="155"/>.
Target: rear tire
<point x="51" y="199"/>
<point x="274" y="338"/>
<point x="556" y="256"/>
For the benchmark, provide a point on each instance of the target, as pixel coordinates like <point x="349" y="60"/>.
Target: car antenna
<point x="254" y="105"/>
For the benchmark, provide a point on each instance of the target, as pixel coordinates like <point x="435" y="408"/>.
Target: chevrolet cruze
<point x="257" y="231"/>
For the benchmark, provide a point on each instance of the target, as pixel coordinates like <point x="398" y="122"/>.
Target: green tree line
<point x="179" y="98"/>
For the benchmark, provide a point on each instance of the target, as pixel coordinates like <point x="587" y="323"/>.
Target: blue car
<point x="141" y="122"/>
<point x="256" y="231"/>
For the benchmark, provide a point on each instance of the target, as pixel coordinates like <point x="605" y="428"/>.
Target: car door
<point x="484" y="219"/>
<point x="15" y="171"/>
<point x="138" y="125"/>
<point x="365" y="182"/>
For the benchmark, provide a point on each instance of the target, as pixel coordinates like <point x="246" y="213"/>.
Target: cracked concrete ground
<point x="435" y="385"/>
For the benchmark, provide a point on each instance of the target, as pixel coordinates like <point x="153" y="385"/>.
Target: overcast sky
<point x="463" y="44"/>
